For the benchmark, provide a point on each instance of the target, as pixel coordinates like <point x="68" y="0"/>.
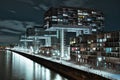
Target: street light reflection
<point x="25" y="69"/>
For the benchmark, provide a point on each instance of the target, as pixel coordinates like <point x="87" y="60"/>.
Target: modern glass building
<point x="74" y="17"/>
<point x="82" y="21"/>
<point x="100" y="50"/>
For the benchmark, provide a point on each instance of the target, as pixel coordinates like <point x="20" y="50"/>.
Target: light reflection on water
<point x="18" y="67"/>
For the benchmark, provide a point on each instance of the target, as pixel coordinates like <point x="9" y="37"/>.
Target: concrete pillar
<point x="62" y="42"/>
<point x="78" y="33"/>
<point x="35" y="45"/>
<point x="48" y="41"/>
<point x="25" y="42"/>
<point x="57" y="34"/>
<point x="68" y="50"/>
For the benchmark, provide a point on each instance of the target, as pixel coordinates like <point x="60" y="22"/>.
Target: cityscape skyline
<point x="74" y="35"/>
<point x="96" y="51"/>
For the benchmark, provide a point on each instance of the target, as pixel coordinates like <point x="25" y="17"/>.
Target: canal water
<point x="16" y="67"/>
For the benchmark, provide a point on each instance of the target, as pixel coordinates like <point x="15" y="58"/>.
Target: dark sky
<point x="15" y="15"/>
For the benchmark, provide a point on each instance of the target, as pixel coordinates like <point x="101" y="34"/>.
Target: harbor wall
<point x="66" y="71"/>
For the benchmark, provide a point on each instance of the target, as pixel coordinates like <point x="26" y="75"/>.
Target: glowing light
<point x="99" y="58"/>
<point x="31" y="50"/>
<point x="79" y="56"/>
<point x="48" y="75"/>
<point x="58" y="77"/>
<point x="47" y="52"/>
<point x="94" y="49"/>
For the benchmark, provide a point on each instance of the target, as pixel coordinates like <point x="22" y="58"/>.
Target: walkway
<point x="73" y="65"/>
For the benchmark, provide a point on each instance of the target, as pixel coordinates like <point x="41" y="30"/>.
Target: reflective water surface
<point x="16" y="67"/>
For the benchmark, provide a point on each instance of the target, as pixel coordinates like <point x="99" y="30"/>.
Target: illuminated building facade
<point x="99" y="50"/>
<point x="44" y="37"/>
<point x="70" y="19"/>
<point x="75" y="17"/>
<point x="39" y="39"/>
<point x="109" y="47"/>
<point x="83" y="49"/>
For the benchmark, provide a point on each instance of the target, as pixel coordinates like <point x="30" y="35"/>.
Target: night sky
<point x="16" y="15"/>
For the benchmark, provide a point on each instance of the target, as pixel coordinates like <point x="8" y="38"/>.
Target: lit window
<point x="80" y="13"/>
<point x="85" y="13"/>
<point x="108" y="36"/>
<point x="94" y="48"/>
<point x="100" y="18"/>
<point x="65" y="14"/>
<point x="60" y="20"/>
<point x="88" y="19"/>
<point x="54" y="19"/>
<point x="108" y="50"/>
<point x="79" y="23"/>
<point x="93" y="24"/>
<point x="54" y="16"/>
<point x="100" y="40"/>
<point x="94" y="30"/>
<point x="81" y="16"/>
<point x="93" y="12"/>
<point x="104" y="40"/>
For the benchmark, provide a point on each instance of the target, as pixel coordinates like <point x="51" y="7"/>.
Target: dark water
<point x="16" y="67"/>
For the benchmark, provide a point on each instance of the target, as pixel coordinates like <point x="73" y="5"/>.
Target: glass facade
<point x="75" y="17"/>
<point x="105" y="46"/>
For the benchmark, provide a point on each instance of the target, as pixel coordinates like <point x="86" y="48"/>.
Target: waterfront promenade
<point x="104" y="74"/>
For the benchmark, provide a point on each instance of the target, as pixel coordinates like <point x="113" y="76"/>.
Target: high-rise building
<point x="70" y="19"/>
<point x="75" y="17"/>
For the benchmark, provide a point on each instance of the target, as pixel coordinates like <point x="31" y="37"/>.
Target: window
<point x="65" y="14"/>
<point x="54" y="16"/>
<point x="108" y="50"/>
<point x="79" y="23"/>
<point x="108" y="36"/>
<point x="60" y="20"/>
<point x="54" y="19"/>
<point x="93" y="12"/>
<point x="94" y="30"/>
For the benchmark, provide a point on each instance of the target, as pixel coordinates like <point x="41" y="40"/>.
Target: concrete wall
<point x="66" y="71"/>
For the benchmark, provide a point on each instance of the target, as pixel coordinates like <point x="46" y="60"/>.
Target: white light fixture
<point x="99" y="59"/>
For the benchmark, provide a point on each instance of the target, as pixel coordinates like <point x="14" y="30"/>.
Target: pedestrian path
<point x="105" y="74"/>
